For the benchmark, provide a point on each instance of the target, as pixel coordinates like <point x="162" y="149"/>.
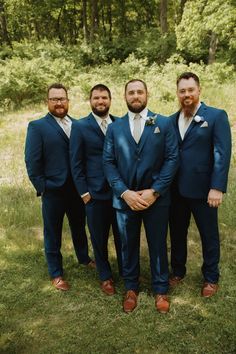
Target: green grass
<point x="35" y="318"/>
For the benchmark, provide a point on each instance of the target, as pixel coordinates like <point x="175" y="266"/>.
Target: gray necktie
<point x="66" y="126"/>
<point x="104" y="126"/>
<point x="137" y="127"/>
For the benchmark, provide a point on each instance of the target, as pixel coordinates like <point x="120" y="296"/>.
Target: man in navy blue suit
<point x="48" y="166"/>
<point x="205" y="147"/>
<point x="140" y="160"/>
<point x="86" y="148"/>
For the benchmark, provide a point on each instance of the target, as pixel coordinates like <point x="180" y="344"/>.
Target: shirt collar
<point x="143" y="114"/>
<point x="67" y="119"/>
<point x="99" y="119"/>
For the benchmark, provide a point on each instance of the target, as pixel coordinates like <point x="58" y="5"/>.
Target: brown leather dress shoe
<point x="175" y="280"/>
<point x="209" y="289"/>
<point x="60" y="284"/>
<point x="108" y="287"/>
<point x="130" y="301"/>
<point x="91" y="264"/>
<point x="162" y="303"/>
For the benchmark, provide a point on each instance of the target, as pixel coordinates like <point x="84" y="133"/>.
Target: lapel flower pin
<point x="198" y="119"/>
<point x="151" y="120"/>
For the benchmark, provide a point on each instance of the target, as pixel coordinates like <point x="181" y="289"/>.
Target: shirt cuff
<point x="84" y="195"/>
<point x="124" y="193"/>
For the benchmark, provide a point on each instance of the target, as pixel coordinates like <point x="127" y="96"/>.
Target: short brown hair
<point x="57" y="85"/>
<point x="188" y="75"/>
<point x="135" y="80"/>
<point x="100" y="87"/>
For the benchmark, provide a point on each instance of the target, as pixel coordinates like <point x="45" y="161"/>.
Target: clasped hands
<point x="140" y="200"/>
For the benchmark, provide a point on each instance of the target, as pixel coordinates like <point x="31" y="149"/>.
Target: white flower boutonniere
<point x="198" y="119"/>
<point x="151" y="120"/>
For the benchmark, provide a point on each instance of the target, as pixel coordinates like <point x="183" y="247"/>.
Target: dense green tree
<point x="206" y="26"/>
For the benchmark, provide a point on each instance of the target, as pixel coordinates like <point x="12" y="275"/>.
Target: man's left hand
<point x="215" y="198"/>
<point x="148" y="195"/>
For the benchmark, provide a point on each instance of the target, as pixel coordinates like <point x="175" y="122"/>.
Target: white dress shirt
<point x="100" y="120"/>
<point x="65" y="124"/>
<point x="184" y="122"/>
<point x="143" y="119"/>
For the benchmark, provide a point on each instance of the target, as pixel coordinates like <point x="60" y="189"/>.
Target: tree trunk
<point x="3" y="25"/>
<point x="163" y="16"/>
<point x="85" y="23"/>
<point x="94" y="19"/>
<point x="109" y="15"/>
<point x="181" y="10"/>
<point x="212" y="48"/>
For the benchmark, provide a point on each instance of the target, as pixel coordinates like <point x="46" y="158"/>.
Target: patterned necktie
<point x="104" y="126"/>
<point x="66" y="126"/>
<point x="137" y="127"/>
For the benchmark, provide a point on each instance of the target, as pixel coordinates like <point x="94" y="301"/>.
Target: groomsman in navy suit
<point x="140" y="160"/>
<point x="205" y="147"/>
<point x="86" y="148"/>
<point x="48" y="166"/>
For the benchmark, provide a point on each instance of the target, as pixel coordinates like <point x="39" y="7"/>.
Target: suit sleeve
<point x="170" y="161"/>
<point x="77" y="159"/>
<point x="222" y="152"/>
<point x="110" y="164"/>
<point x="34" y="158"/>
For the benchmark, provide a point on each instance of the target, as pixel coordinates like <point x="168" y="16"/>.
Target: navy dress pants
<point x="155" y="220"/>
<point x="100" y="217"/>
<point x="55" y="205"/>
<point x="207" y="224"/>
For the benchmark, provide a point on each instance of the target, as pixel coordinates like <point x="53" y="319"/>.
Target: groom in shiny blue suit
<point x="86" y="148"/>
<point x="48" y="166"/>
<point x="140" y="160"/>
<point x="205" y="147"/>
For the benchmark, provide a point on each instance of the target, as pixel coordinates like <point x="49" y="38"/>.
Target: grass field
<point x="35" y="318"/>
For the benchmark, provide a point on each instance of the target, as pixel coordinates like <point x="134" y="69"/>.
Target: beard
<point x="188" y="109"/>
<point x="101" y="113"/>
<point x="59" y="112"/>
<point x="136" y="109"/>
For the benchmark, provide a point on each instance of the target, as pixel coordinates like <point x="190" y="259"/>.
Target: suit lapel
<point x="176" y="126"/>
<point x="146" y="131"/>
<point x="126" y="130"/>
<point x="194" y="124"/>
<point x="94" y="126"/>
<point x="52" y="121"/>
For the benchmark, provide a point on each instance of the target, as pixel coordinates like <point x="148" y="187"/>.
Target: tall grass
<point x="35" y="318"/>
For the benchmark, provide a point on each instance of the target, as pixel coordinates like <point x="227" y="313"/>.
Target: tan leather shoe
<point x="60" y="284"/>
<point x="130" y="301"/>
<point x="175" y="280"/>
<point x="91" y="264"/>
<point x="209" y="289"/>
<point x="108" y="287"/>
<point x="162" y="303"/>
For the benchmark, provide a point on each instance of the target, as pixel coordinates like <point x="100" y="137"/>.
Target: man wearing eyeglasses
<point x="48" y="167"/>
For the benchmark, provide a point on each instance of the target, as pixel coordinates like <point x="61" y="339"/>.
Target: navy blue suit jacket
<point x="86" y="148"/>
<point x="204" y="153"/>
<point x="47" y="154"/>
<point x="151" y="163"/>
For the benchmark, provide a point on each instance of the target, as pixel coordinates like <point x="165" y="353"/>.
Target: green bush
<point x="24" y="81"/>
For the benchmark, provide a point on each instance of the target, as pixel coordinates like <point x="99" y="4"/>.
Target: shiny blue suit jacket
<point x="86" y="148"/>
<point x="151" y="163"/>
<point x="204" y="153"/>
<point x="47" y="154"/>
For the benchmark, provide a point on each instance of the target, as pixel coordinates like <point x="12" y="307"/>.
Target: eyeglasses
<point x="58" y="99"/>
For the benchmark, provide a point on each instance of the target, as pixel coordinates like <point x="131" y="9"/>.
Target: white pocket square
<point x="204" y="125"/>
<point x="157" y="130"/>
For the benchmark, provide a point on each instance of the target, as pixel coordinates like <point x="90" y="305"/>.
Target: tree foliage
<point x="200" y="30"/>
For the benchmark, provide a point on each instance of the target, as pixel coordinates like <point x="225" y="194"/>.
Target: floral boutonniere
<point x="198" y="119"/>
<point x="151" y="120"/>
